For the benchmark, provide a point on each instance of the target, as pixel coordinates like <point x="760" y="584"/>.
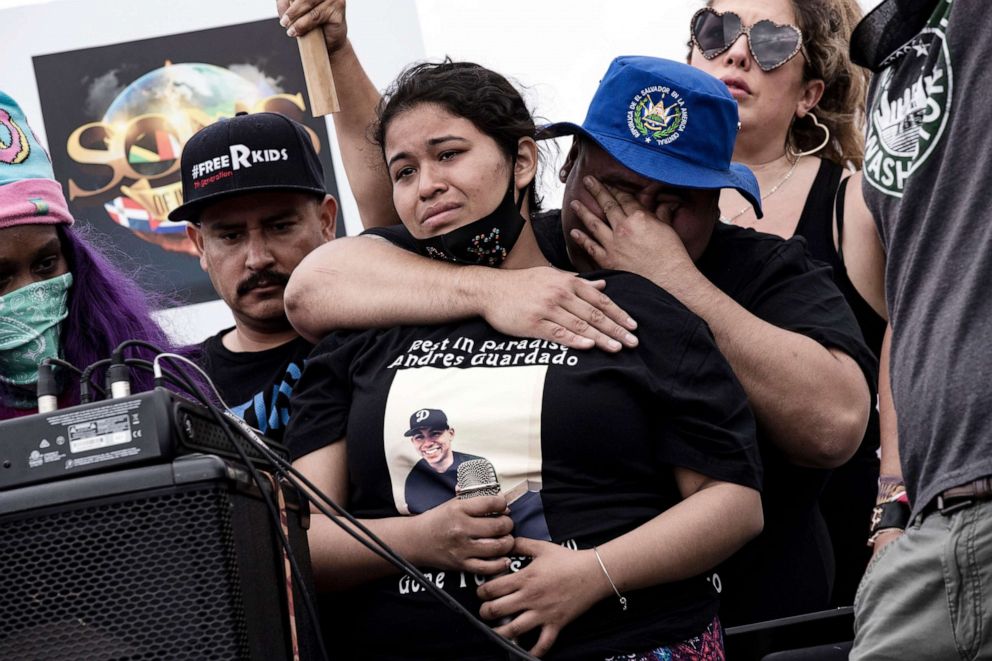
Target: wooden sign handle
<point x="317" y="71"/>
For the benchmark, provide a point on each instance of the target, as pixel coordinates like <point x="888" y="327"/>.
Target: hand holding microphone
<point x="477" y="478"/>
<point x="470" y="533"/>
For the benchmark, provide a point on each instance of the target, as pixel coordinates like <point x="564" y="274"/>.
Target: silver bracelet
<point x="623" y="599"/>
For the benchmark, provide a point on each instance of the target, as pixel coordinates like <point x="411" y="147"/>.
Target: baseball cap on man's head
<point x="668" y="122"/>
<point x="253" y="153"/>
<point x="427" y="419"/>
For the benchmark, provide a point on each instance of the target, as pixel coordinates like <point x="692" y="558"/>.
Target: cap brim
<point x="656" y="165"/>
<point x="411" y="432"/>
<point x="190" y="211"/>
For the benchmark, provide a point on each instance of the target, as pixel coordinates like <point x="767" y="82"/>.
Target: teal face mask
<point x="30" y="319"/>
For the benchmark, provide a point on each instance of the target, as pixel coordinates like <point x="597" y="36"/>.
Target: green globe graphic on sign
<point x="152" y="118"/>
<point x="175" y="88"/>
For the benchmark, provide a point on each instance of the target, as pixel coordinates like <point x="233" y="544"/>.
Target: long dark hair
<point x="464" y="89"/>
<point x="106" y="307"/>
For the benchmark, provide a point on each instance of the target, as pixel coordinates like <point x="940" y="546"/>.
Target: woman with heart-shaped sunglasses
<point x="801" y="102"/>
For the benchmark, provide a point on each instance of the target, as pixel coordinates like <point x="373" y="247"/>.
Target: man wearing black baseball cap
<point x="254" y="195"/>
<point x="432" y="480"/>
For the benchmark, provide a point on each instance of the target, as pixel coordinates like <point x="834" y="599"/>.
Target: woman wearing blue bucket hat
<point x="640" y="463"/>
<point x="643" y="177"/>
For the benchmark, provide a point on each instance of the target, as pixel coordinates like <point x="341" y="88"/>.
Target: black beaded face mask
<point x="484" y="242"/>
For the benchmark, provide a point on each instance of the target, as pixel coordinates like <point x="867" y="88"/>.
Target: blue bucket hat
<point x="666" y="121"/>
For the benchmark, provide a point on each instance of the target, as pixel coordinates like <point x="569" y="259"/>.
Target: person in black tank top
<point x="799" y="159"/>
<point x="824" y="210"/>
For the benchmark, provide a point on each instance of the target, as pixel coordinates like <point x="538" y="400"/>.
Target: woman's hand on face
<point x="631" y="238"/>
<point x="560" y="307"/>
<point x="301" y="16"/>
<point x="468" y="535"/>
<point x="556" y="587"/>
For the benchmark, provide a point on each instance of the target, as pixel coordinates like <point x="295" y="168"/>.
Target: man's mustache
<point x="262" y="279"/>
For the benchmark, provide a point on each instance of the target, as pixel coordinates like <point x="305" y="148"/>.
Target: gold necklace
<point x="788" y="175"/>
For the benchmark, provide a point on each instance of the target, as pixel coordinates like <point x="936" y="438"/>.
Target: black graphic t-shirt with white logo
<point x="928" y="155"/>
<point x="256" y="384"/>
<point x="583" y="442"/>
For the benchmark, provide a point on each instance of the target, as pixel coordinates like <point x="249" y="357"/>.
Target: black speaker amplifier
<point x="143" y="428"/>
<point x="176" y="561"/>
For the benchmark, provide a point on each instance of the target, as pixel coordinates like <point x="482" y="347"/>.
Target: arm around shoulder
<point x="366" y="282"/>
<point x="812" y="400"/>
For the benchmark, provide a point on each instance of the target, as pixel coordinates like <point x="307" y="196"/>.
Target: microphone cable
<point x="85" y="381"/>
<point x="386" y="552"/>
<point x="295" y="572"/>
<point x="47" y="389"/>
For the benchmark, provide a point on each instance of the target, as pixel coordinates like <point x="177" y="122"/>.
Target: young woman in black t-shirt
<point x="642" y="464"/>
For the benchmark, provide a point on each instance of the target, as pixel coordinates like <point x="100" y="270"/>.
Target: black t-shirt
<point x="256" y="384"/>
<point x="585" y="441"/>
<point x="789" y="568"/>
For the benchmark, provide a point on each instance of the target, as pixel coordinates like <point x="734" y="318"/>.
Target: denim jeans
<point x="928" y="594"/>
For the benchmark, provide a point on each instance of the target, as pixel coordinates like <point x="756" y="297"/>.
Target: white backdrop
<point x="555" y="49"/>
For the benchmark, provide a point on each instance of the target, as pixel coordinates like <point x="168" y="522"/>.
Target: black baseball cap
<point x="247" y="153"/>
<point x="427" y="419"/>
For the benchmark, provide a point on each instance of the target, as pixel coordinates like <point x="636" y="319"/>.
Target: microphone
<point x="476" y="477"/>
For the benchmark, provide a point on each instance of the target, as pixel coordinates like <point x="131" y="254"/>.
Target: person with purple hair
<point x="60" y="296"/>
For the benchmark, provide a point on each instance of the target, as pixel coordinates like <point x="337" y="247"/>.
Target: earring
<point x="563" y="175"/>
<point x="826" y="138"/>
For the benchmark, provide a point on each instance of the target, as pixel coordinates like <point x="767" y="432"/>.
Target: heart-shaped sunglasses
<point x="771" y="44"/>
